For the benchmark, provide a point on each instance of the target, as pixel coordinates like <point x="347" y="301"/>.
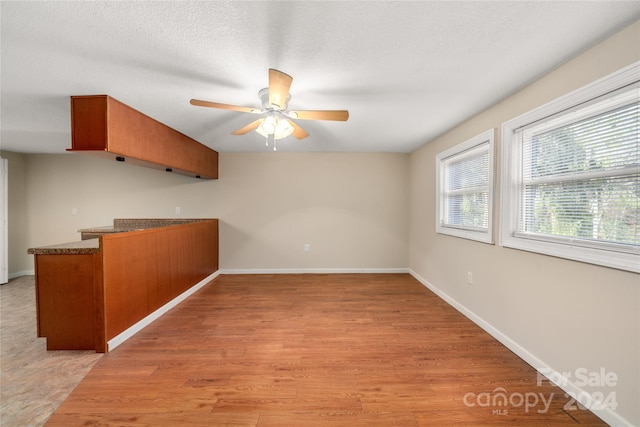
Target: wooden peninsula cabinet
<point x="92" y="291"/>
<point x="66" y="278"/>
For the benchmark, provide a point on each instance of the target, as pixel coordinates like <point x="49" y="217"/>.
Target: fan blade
<point x="209" y="104"/>
<point x="251" y="126"/>
<point x="279" y="84"/>
<point x="338" y="115"/>
<point x="298" y="132"/>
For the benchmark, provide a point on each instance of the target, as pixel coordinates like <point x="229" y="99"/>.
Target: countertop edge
<point x="82" y="247"/>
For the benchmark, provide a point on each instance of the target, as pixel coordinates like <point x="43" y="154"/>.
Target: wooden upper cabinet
<point x="108" y="128"/>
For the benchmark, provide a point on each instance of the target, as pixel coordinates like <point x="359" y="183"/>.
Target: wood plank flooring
<point x="314" y="350"/>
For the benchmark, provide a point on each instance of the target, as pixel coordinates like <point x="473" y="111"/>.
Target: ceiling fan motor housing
<point x="264" y="98"/>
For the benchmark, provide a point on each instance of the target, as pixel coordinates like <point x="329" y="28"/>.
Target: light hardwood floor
<point x="314" y="350"/>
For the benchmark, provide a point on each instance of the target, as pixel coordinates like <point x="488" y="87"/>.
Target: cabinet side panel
<point x="65" y="301"/>
<point x="89" y="122"/>
<point x="144" y="270"/>
<point x="98" y="300"/>
<point x="129" y="264"/>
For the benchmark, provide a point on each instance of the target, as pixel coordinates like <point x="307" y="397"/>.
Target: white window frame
<point x="598" y="253"/>
<point x="484" y="141"/>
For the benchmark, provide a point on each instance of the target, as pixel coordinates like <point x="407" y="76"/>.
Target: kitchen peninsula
<point x="93" y="291"/>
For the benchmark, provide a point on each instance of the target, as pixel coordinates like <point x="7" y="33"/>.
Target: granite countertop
<point x="121" y="225"/>
<point x="90" y="246"/>
<point x="110" y="229"/>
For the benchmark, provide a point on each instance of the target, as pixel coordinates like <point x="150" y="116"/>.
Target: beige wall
<point x="351" y="208"/>
<point x="555" y="312"/>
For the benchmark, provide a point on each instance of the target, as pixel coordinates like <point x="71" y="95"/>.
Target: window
<point x="571" y="181"/>
<point x="464" y="183"/>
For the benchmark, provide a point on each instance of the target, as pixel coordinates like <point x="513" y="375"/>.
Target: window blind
<point x="580" y="174"/>
<point x="466" y="189"/>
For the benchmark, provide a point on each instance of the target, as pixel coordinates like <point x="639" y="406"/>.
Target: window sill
<point x="479" y="236"/>
<point x="606" y="258"/>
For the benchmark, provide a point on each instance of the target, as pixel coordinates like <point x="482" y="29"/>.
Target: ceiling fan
<point x="275" y="123"/>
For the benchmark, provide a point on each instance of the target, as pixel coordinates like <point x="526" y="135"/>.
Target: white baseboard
<point x="314" y="270"/>
<point x="137" y="327"/>
<point x="21" y="273"/>
<point x="567" y="384"/>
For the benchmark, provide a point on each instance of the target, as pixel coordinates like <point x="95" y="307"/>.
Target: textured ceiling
<point x="406" y="71"/>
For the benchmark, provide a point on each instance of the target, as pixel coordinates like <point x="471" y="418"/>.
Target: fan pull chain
<point x="271" y="138"/>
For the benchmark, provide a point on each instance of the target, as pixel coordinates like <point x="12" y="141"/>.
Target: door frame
<point x="4" y="220"/>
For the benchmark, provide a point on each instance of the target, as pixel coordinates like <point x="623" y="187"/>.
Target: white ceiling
<point x="406" y="71"/>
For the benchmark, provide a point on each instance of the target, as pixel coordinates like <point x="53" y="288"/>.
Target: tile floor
<point x="33" y="381"/>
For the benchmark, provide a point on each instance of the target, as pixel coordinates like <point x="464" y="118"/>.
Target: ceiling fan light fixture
<point x="276" y="126"/>
<point x="268" y="126"/>
<point x="284" y="129"/>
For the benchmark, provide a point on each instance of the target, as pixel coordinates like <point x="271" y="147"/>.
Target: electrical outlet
<point x="307" y="247"/>
<point x="74" y="211"/>
<point x="469" y="277"/>
<point x="177" y="210"/>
